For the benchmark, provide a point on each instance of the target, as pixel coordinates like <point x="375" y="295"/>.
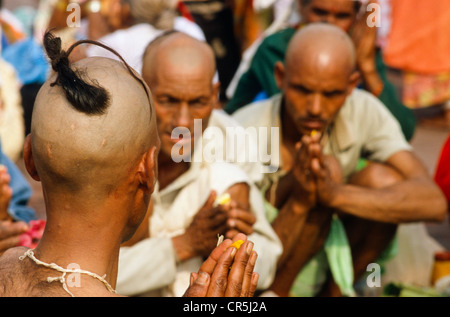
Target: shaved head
<point x="91" y="153"/>
<point x="318" y="74"/>
<point x="180" y="50"/>
<point x="180" y="70"/>
<point x="323" y="45"/>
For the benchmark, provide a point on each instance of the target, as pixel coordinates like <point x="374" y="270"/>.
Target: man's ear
<point x="279" y="71"/>
<point x="148" y="170"/>
<point x="29" y="160"/>
<point x="353" y="82"/>
<point x="216" y="95"/>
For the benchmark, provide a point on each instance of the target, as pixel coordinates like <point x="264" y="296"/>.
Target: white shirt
<point x="363" y="128"/>
<point x="150" y="267"/>
<point x="130" y="43"/>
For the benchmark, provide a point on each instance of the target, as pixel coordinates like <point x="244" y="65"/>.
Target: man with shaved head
<point x="326" y="124"/>
<point x="94" y="146"/>
<point x="258" y="80"/>
<point x="186" y="221"/>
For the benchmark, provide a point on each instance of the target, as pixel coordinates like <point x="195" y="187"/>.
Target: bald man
<point x="259" y="79"/>
<point x="94" y="146"/>
<point x="185" y="222"/>
<point x="326" y="123"/>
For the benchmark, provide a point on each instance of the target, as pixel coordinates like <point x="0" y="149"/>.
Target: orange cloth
<point x="419" y="40"/>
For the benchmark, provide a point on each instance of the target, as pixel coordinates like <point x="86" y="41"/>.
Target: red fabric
<point x="442" y="174"/>
<point x="32" y="237"/>
<point x="184" y="11"/>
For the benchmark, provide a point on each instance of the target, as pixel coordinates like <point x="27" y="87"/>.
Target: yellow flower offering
<point x="223" y="199"/>
<point x="237" y="244"/>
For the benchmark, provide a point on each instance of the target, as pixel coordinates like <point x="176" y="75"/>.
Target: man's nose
<point x="183" y="117"/>
<point x="315" y="105"/>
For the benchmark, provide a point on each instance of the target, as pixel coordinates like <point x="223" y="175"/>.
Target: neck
<point x="92" y="243"/>
<point x="168" y="170"/>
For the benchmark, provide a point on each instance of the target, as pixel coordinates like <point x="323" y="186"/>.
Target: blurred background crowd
<point x="414" y="36"/>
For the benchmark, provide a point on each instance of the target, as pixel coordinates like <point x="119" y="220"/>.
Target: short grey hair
<point x="159" y="13"/>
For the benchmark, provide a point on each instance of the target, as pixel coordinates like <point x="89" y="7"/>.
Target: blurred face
<point x="181" y="95"/>
<point x="314" y="95"/>
<point x="112" y="11"/>
<point x="341" y="13"/>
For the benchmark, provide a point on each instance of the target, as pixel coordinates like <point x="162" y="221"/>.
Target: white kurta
<point x="150" y="266"/>
<point x="131" y="42"/>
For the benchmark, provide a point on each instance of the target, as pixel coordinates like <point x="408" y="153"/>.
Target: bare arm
<point x="300" y="189"/>
<point x="364" y="36"/>
<point x="416" y="198"/>
<point x="240" y="218"/>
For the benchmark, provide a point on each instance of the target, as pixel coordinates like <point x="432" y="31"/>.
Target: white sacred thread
<point x="29" y="253"/>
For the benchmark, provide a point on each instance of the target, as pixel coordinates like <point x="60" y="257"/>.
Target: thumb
<point x="210" y="201"/>
<point x="199" y="285"/>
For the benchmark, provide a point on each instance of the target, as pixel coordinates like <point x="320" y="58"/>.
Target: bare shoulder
<point x="11" y="273"/>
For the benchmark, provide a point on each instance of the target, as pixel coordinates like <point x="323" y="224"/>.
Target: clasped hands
<point x="316" y="176"/>
<point x="227" y="272"/>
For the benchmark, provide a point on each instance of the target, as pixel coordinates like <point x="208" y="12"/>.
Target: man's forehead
<point x="321" y="83"/>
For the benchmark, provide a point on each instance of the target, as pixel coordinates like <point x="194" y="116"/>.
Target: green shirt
<point x="260" y="78"/>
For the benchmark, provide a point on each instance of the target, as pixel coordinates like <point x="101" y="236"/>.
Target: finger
<point x="254" y="284"/>
<point x="317" y="169"/>
<point x="248" y="287"/>
<point x="192" y="278"/>
<point x="238" y="270"/>
<point x="315" y="150"/>
<point x="212" y="259"/>
<point x="306" y="152"/>
<point x="217" y="217"/>
<point x="209" y="203"/>
<point x="230" y="234"/>
<point x="212" y="219"/>
<point x="199" y="285"/>
<point x="219" y="278"/>
<point x="243" y="215"/>
<point x="316" y="136"/>
<point x="9" y="228"/>
<point x="9" y="242"/>
<point x="239" y="226"/>
<point x="210" y="263"/>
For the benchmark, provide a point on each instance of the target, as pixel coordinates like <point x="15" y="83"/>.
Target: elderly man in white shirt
<point x="184" y="223"/>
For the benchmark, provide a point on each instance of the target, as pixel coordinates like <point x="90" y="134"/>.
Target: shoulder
<point x="363" y="103"/>
<point x="190" y="28"/>
<point x="11" y="274"/>
<point x="10" y="257"/>
<point x="275" y="44"/>
<point x="281" y="37"/>
<point x="260" y="113"/>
